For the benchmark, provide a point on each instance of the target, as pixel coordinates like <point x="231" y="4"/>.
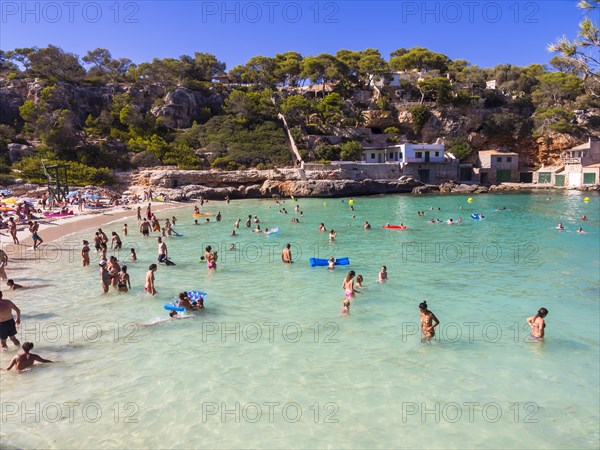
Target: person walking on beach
<point x="428" y="322"/>
<point x="286" y="254"/>
<point x="538" y="324"/>
<point x="149" y="283"/>
<point x="8" y="324"/>
<point x="139" y="213"/>
<point x="33" y="229"/>
<point x="12" y="229"/>
<point x="26" y="360"/>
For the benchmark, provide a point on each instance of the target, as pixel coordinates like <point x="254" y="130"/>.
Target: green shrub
<point x="79" y="174"/>
<point x="351" y="151"/>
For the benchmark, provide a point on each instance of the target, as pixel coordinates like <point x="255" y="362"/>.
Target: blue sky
<point x="485" y="33"/>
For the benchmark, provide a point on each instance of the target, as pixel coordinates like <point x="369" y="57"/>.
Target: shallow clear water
<point x="271" y="364"/>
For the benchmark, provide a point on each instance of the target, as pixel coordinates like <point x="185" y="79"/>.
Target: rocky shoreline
<point x="181" y="185"/>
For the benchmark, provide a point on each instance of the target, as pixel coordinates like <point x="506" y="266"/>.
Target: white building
<point x="392" y="79"/>
<point x="406" y="153"/>
<point x="427" y="162"/>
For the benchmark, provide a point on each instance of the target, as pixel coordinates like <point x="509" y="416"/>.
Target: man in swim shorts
<point x="162" y="251"/>
<point x="145" y="227"/>
<point x="33" y="228"/>
<point x="8" y="324"/>
<point x="26" y="360"/>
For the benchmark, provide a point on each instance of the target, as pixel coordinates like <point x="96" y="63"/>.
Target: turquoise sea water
<point x="271" y="364"/>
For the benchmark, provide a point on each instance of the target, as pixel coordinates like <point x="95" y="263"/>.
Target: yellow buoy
<point x="351" y="202"/>
<point x="587" y="199"/>
<point x="470" y="200"/>
<point x="324" y="203"/>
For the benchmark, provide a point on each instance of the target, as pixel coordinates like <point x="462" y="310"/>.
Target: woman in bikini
<point x="428" y="322"/>
<point x="348" y="285"/>
<point x="12" y="228"/>
<point x="538" y="324"/>
<point x="85" y="253"/>
<point x="114" y="268"/>
<point x="123" y="284"/>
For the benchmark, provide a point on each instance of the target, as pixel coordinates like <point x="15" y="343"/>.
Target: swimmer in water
<point x="133" y="256"/>
<point x="13" y="286"/>
<point x="26" y="360"/>
<point x="383" y="275"/>
<point x="332" y="235"/>
<point x="105" y="276"/>
<point x="584" y="218"/>
<point x="367" y="226"/>
<point x="232" y="233"/>
<point x="232" y="248"/>
<point x="331" y="263"/>
<point x="560" y="226"/>
<point x="322" y="227"/>
<point x="538" y="324"/>
<point x="580" y="230"/>
<point x="359" y="281"/>
<point x="346" y="307"/>
<point x="428" y="322"/>
<point x="257" y="229"/>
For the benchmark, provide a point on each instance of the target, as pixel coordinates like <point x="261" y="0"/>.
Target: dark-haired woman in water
<point x="428" y="322"/>
<point x="537" y="324"/>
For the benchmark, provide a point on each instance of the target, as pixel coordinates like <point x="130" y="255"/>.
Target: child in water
<point x="359" y="281"/>
<point x="346" y="307"/>
<point x="331" y="263"/>
<point x="383" y="274"/>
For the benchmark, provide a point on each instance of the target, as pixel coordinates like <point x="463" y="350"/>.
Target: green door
<point x="559" y="180"/>
<point x="589" y="178"/>
<point x="503" y="175"/>
<point x="544" y="177"/>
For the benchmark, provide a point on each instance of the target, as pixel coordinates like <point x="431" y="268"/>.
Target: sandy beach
<point x="51" y="230"/>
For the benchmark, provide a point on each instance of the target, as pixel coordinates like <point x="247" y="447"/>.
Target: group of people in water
<point x="114" y="274"/>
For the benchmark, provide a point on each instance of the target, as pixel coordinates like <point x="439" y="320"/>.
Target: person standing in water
<point x="123" y="282"/>
<point x="8" y="324"/>
<point x="149" y="283"/>
<point x="26" y="360"/>
<point x="286" y="254"/>
<point x="383" y="276"/>
<point x="85" y="254"/>
<point x="428" y="322"/>
<point x="538" y="324"/>
<point x="348" y="285"/>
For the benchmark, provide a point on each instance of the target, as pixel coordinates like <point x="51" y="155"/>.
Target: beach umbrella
<point x="6" y="208"/>
<point x="5" y="192"/>
<point x="11" y="200"/>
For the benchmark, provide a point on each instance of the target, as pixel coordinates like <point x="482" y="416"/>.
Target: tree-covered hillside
<point x="103" y="112"/>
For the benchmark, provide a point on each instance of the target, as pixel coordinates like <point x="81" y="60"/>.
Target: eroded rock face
<point x="182" y="106"/>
